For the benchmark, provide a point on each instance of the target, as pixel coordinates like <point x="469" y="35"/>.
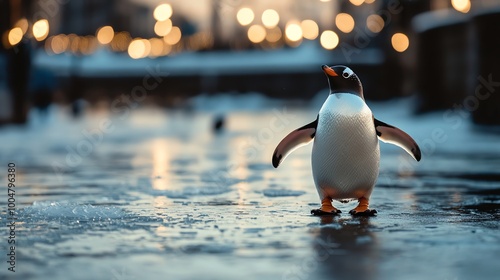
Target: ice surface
<point x="67" y="210"/>
<point x="281" y="192"/>
<point x="163" y="195"/>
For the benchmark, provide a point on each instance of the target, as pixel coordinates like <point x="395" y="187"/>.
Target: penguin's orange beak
<point x="329" y="71"/>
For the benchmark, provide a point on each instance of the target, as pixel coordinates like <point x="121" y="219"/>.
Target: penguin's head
<point x="342" y="79"/>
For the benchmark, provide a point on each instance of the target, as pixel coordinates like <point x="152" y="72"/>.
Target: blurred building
<point x="99" y="49"/>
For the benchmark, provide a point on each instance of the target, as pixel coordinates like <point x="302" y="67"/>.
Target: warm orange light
<point x="41" y="29"/>
<point x="461" y="5"/>
<point x="356" y="2"/>
<point x="105" y="35"/>
<point x="162" y="12"/>
<point x="344" y="22"/>
<point x="23" y="24"/>
<point x="245" y="16"/>
<point x="136" y="49"/>
<point x="74" y="42"/>
<point x="174" y="36"/>
<point x="274" y="35"/>
<point x="58" y="44"/>
<point x="293" y="31"/>
<point x="310" y="29"/>
<point x="375" y="23"/>
<point x="369" y="1"/>
<point x="256" y="33"/>
<point x="15" y="36"/>
<point x="120" y="41"/>
<point x="162" y="28"/>
<point x="270" y="18"/>
<point x="156" y="47"/>
<point x="400" y="42"/>
<point x="329" y="39"/>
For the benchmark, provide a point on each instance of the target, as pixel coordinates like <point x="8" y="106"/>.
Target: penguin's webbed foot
<point x="362" y="209"/>
<point x="319" y="212"/>
<point x="366" y="213"/>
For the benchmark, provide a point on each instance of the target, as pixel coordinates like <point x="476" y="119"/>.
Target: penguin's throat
<point x="357" y="93"/>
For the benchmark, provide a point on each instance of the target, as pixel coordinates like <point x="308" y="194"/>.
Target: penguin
<point x="346" y="155"/>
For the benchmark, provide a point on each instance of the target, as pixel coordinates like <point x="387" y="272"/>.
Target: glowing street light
<point x="329" y="39"/>
<point x="137" y="49"/>
<point x="256" y="33"/>
<point x="174" y="36"/>
<point x="344" y="22"/>
<point x="400" y="42"/>
<point x="293" y="31"/>
<point x="105" y="35"/>
<point x="162" y="12"/>
<point x="461" y="5"/>
<point x="41" y="29"/>
<point x="245" y="16"/>
<point x="15" y="36"/>
<point x="375" y="23"/>
<point x="310" y="29"/>
<point x="356" y="2"/>
<point x="162" y="28"/>
<point x="270" y="18"/>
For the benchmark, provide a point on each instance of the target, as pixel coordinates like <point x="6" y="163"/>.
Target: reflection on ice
<point x="163" y="191"/>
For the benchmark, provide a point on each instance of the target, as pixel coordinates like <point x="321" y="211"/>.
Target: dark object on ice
<point x="77" y="108"/>
<point x="484" y="97"/>
<point x="42" y="89"/>
<point x="443" y="72"/>
<point x="367" y="213"/>
<point x="18" y="69"/>
<point x="218" y="124"/>
<point x="319" y="212"/>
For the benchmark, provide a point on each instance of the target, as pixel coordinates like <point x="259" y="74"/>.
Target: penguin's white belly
<point x="346" y="155"/>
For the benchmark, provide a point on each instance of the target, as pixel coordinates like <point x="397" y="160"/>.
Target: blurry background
<point x="142" y="134"/>
<point x="69" y="51"/>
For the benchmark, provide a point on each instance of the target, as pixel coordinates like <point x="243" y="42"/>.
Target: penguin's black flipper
<point x="294" y="140"/>
<point x="393" y="135"/>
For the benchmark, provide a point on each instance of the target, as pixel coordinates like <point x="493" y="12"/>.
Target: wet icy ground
<point x="163" y="197"/>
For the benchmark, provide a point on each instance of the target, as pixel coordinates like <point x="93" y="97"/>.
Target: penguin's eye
<point x="347" y="73"/>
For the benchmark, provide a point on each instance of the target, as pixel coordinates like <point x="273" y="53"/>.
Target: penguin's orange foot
<point x="362" y="208"/>
<point x="366" y="213"/>
<point x="326" y="208"/>
<point x="319" y="212"/>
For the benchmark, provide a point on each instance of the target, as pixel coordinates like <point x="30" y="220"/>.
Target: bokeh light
<point x="74" y="42"/>
<point x="41" y="29"/>
<point x="120" y="41"/>
<point x="136" y="49"/>
<point x="375" y="23"/>
<point x="256" y="33"/>
<point x="274" y="35"/>
<point x="369" y="1"/>
<point x="23" y="24"/>
<point x="310" y="29"/>
<point x="357" y="2"/>
<point x="105" y="35"/>
<point x="329" y="39"/>
<point x="59" y="44"/>
<point x="293" y="31"/>
<point x="344" y="22"/>
<point x="270" y="18"/>
<point x="400" y="42"/>
<point x="245" y="16"/>
<point x="461" y="5"/>
<point x="162" y="28"/>
<point x="15" y="36"/>
<point x="162" y="12"/>
<point x="174" y="36"/>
